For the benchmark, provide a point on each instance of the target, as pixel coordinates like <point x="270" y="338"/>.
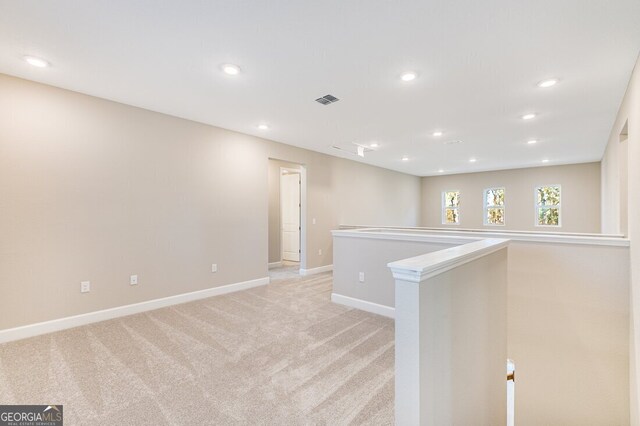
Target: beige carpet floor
<point x="287" y="270"/>
<point x="281" y="354"/>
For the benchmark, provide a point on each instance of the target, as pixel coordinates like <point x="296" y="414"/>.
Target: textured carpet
<point x="280" y="354"/>
<point x="286" y="271"/>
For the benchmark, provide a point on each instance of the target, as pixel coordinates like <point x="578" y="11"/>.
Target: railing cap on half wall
<point x="430" y="234"/>
<point x="405" y="235"/>
<point x="420" y="268"/>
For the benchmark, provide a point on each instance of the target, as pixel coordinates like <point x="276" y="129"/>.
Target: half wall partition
<point x="566" y="307"/>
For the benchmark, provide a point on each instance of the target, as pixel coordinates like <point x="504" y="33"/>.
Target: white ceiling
<point x="478" y="64"/>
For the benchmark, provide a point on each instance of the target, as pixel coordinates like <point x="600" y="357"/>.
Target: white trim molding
<point x="405" y="235"/>
<point x="318" y="270"/>
<point x="59" y="324"/>
<point x="364" y="305"/>
<point x="462" y="236"/>
<point x="420" y="268"/>
<point x="275" y="264"/>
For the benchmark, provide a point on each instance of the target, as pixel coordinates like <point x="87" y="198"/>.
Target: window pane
<point x="494" y="197"/>
<point x="495" y="216"/>
<point x="549" y="216"/>
<point x="549" y="196"/>
<point x="451" y="215"/>
<point x="451" y="198"/>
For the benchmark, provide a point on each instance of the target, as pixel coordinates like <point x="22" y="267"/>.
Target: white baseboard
<point x="363" y="305"/>
<point x="31" y="330"/>
<point x="318" y="270"/>
<point x="275" y="265"/>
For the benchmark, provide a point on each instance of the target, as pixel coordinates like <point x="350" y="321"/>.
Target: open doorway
<point x="287" y="195"/>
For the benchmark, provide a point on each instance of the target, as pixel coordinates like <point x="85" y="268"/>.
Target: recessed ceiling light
<point x="231" y="69"/>
<point x="437" y="133"/>
<point x="440" y="171"/>
<point x="529" y="116"/>
<point x="374" y="145"/>
<point x="36" y="62"/>
<point x="408" y="76"/>
<point x="472" y="160"/>
<point x="547" y="83"/>
<point x="546" y="160"/>
<point x="263" y="127"/>
<point x="532" y="142"/>
<point x="405" y="158"/>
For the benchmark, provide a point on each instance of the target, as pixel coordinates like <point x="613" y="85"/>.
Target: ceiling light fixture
<point x="405" y="158"/>
<point x="472" y="160"/>
<point x="547" y="83"/>
<point x="546" y="160"/>
<point x="440" y="171"/>
<point x="532" y="142"/>
<point x="437" y="133"/>
<point x="408" y="76"/>
<point x="529" y="116"/>
<point x="374" y="145"/>
<point x="36" y="62"/>
<point x="263" y="127"/>
<point x="231" y="69"/>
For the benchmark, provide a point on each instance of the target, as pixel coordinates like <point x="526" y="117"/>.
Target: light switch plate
<point x="361" y="277"/>
<point x="85" y="286"/>
<point x="133" y="280"/>
<point x="214" y="267"/>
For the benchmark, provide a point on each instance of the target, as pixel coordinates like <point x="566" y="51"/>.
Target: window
<point x="548" y="205"/>
<point x="494" y="206"/>
<point x="450" y="204"/>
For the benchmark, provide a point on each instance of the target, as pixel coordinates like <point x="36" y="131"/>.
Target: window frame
<point x="444" y="208"/>
<point x="536" y="207"/>
<point x="486" y="207"/>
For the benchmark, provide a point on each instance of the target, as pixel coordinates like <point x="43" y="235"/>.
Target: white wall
<point x="621" y="165"/>
<point x="96" y="190"/>
<point x="580" y="209"/>
<point x="568" y="333"/>
<point x="370" y="256"/>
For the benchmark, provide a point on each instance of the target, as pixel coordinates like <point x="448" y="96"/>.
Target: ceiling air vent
<point x="327" y="99"/>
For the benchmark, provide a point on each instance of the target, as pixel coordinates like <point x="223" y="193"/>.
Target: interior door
<point x="290" y="213"/>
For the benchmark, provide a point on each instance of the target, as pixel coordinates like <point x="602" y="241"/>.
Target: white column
<point x="407" y="312"/>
